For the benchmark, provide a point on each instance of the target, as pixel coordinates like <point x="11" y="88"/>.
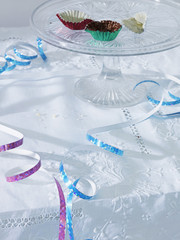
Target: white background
<point x="15" y="13"/>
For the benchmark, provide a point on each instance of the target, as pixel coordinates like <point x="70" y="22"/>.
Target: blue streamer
<point x="104" y="146"/>
<point x="69" y="212"/>
<point x="73" y="191"/>
<point x="18" y="54"/>
<point x="164" y="103"/>
<point x="16" y="62"/>
<point x="173" y="96"/>
<point x="10" y="68"/>
<point x="71" y="186"/>
<point x="145" y="81"/>
<point x="27" y="59"/>
<point x="40" y="49"/>
<point x="109" y="147"/>
<point x="4" y="67"/>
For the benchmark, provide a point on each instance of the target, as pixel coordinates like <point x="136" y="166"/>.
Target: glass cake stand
<point x="111" y="88"/>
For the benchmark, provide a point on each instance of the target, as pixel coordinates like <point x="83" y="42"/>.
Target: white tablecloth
<point x="137" y="195"/>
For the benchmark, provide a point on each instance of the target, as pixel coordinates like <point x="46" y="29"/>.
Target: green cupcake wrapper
<point x="104" y="36"/>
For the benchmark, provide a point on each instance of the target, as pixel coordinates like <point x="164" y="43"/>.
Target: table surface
<point x="137" y="196"/>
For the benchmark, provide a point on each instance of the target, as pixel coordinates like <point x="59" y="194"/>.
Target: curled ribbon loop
<point x="173" y="96"/>
<point x="116" y="150"/>
<point x="164" y="103"/>
<point x="3" y="64"/>
<point x="13" y="133"/>
<point x="11" y="66"/>
<point x="24" y="56"/>
<point x="14" y="61"/>
<point x="167" y="103"/>
<point x="73" y="191"/>
<point x="40" y="49"/>
<point x="12" y="147"/>
<point x="25" y="59"/>
<point x="10" y="61"/>
<point x="70" y="185"/>
<point x="29" y="172"/>
<point x="69" y="212"/>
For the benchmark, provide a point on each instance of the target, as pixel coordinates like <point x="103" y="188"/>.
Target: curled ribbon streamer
<point x="21" y="45"/>
<point x="168" y="103"/>
<point x="29" y="172"/>
<point x="69" y="212"/>
<point x="62" y="219"/>
<point x="5" y="65"/>
<point x="164" y="103"/>
<point x="173" y="96"/>
<point x="115" y="150"/>
<point x="109" y="147"/>
<point x="40" y="48"/>
<point x="13" y="133"/>
<point x="73" y="191"/>
<point x="70" y="185"/>
<point x="13" y="145"/>
<point x="16" y="62"/>
<point x="12" y="148"/>
<point x="26" y="58"/>
<point x="10" y="66"/>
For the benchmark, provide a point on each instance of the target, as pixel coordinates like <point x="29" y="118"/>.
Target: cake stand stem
<point x="110" y="88"/>
<point x="111" y="68"/>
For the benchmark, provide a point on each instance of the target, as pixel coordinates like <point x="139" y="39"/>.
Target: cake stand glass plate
<point x="162" y="32"/>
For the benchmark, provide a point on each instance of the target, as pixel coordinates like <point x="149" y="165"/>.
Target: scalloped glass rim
<point x="39" y="26"/>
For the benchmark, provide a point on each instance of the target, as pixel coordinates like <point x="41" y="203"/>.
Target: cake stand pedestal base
<point x="110" y="88"/>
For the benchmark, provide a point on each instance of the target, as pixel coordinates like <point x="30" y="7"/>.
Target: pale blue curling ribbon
<point x="173" y="96"/>
<point x="70" y="185"/>
<point x="22" y="45"/>
<point x="109" y="147"/>
<point x="164" y="103"/>
<point x="16" y="62"/>
<point x="69" y="212"/>
<point x="3" y="64"/>
<point x="116" y="150"/>
<point x="26" y="59"/>
<point x="167" y="103"/>
<point x="10" y="67"/>
<point x="40" y="48"/>
<point x="73" y="190"/>
<point x="22" y="56"/>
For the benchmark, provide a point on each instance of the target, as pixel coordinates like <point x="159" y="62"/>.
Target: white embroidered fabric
<point x="137" y="194"/>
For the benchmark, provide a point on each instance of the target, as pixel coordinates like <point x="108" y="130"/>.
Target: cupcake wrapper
<point x="74" y="25"/>
<point x="104" y="36"/>
<point x="133" y="25"/>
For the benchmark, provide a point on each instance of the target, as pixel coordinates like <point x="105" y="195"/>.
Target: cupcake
<point x="74" y="19"/>
<point x="105" y="30"/>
